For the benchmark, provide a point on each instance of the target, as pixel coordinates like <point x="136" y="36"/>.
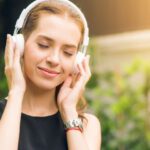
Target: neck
<point x="38" y="102"/>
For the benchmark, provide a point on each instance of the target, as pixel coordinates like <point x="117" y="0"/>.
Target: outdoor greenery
<point x="121" y="100"/>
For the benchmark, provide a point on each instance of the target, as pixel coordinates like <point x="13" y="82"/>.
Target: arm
<point x="90" y="139"/>
<point x="67" y="100"/>
<point x="92" y="132"/>
<point x="10" y="121"/>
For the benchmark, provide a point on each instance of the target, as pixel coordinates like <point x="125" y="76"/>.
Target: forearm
<point x="10" y="122"/>
<point x="75" y="138"/>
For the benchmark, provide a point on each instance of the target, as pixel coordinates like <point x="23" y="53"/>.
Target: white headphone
<point x="23" y="17"/>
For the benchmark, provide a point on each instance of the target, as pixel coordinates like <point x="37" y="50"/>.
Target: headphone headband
<point x="24" y="14"/>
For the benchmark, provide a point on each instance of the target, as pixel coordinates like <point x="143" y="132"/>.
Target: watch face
<point x="74" y="123"/>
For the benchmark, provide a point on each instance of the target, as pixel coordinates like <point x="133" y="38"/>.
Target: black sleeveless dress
<point x="40" y="133"/>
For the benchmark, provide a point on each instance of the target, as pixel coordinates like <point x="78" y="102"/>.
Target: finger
<point x="8" y="59"/>
<point x="22" y="66"/>
<point x="80" y="80"/>
<point x="81" y="69"/>
<point x="9" y="51"/>
<point x="86" y="66"/>
<point x="7" y="47"/>
<point x="17" y="56"/>
<point x="19" y="72"/>
<point x="78" y="88"/>
<point x="6" y="53"/>
<point x="82" y="77"/>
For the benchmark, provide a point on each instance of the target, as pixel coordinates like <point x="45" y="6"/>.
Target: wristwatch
<point x="73" y="124"/>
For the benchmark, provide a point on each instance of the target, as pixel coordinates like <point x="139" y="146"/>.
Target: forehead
<point x="59" y="27"/>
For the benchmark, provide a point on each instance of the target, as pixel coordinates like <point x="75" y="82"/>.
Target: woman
<point x="44" y="109"/>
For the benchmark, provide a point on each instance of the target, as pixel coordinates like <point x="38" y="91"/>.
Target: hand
<point x="13" y="70"/>
<point x="69" y="94"/>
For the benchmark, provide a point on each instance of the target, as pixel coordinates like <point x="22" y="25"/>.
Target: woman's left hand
<point x="72" y="90"/>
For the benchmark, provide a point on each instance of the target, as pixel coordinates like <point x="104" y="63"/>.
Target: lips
<point x="48" y="73"/>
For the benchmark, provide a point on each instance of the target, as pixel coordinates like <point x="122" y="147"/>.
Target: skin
<point x="51" y="46"/>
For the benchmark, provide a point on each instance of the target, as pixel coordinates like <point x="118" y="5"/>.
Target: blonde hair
<point x="53" y="7"/>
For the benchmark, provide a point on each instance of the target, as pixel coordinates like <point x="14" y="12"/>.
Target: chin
<point x="46" y="85"/>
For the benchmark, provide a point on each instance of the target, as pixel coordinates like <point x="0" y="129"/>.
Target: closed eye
<point x="43" y="46"/>
<point x="68" y="53"/>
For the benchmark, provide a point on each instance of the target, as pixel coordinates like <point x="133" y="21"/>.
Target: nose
<point x="53" y="58"/>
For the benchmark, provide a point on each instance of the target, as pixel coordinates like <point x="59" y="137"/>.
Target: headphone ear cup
<point x="79" y="58"/>
<point x="19" y="41"/>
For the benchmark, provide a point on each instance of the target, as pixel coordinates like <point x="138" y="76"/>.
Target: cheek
<point x="68" y="65"/>
<point x="31" y="58"/>
<point x="31" y="55"/>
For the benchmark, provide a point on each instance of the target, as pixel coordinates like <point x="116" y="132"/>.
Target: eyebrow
<point x="71" y="46"/>
<point x="46" y="38"/>
<point x="52" y="40"/>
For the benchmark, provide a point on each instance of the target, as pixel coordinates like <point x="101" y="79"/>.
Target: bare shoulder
<point x="92" y="131"/>
<point x="92" y="120"/>
<point x="91" y="124"/>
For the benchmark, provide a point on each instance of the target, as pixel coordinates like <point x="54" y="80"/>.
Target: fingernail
<point x="8" y="36"/>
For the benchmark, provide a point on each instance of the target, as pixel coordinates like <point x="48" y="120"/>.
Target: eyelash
<point x="46" y="46"/>
<point x="43" y="46"/>
<point x="68" y="54"/>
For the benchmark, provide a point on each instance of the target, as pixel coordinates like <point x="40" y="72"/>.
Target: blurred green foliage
<point x="121" y="100"/>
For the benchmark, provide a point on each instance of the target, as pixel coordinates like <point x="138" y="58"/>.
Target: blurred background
<point x="119" y="90"/>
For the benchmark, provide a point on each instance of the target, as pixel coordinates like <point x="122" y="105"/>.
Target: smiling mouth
<point x="48" y="73"/>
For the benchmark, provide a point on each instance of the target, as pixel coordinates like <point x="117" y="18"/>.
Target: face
<point x="50" y="51"/>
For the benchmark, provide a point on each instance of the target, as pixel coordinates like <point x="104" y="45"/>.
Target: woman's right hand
<point x="13" y="67"/>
